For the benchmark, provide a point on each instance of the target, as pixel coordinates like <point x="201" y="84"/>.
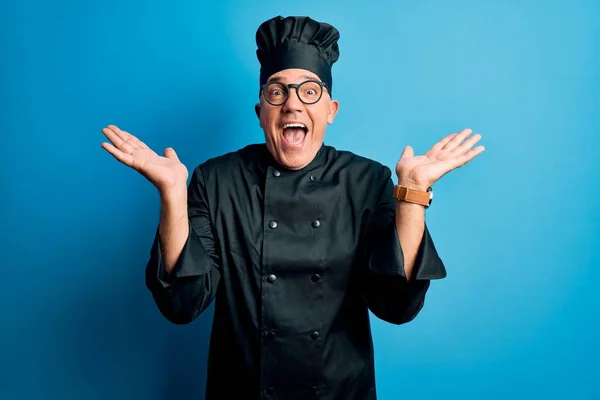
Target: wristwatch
<point x="402" y="193"/>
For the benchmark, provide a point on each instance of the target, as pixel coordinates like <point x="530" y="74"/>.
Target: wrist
<point x="173" y="196"/>
<point x="413" y="185"/>
<point x="407" y="208"/>
<point x="173" y="209"/>
<point x="413" y="193"/>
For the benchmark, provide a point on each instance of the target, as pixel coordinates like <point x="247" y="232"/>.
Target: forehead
<point x="293" y="75"/>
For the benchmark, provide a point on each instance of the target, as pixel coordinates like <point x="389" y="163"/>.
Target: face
<point x="294" y="131"/>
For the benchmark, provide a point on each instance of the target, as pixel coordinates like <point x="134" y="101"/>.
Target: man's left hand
<point x="453" y="151"/>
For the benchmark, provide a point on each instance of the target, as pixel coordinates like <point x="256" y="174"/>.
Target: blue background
<point x="518" y="228"/>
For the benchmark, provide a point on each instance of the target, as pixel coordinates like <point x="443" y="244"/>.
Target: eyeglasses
<point x="309" y="92"/>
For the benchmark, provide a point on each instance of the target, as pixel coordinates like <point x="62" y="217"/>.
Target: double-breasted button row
<point x="311" y="177"/>
<point x="277" y="173"/>
<point x="315" y="278"/>
<point x="315" y="224"/>
<point x="269" y="334"/>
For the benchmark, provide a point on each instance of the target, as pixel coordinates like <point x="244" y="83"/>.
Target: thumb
<point x="408" y="152"/>
<point x="170" y="153"/>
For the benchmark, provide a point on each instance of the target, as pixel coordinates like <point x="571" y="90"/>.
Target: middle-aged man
<point x="296" y="240"/>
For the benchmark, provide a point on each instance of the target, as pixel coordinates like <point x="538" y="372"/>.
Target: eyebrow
<point x="279" y="78"/>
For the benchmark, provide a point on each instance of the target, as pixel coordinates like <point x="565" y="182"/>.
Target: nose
<point x="293" y="103"/>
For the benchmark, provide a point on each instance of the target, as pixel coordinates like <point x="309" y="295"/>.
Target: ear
<point x="257" y="109"/>
<point x="334" y="106"/>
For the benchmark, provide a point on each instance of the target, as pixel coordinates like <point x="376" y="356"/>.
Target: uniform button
<point x="272" y="224"/>
<point x="315" y="335"/>
<point x="269" y="391"/>
<point x="271" y="278"/>
<point x="276" y="173"/>
<point x="316" y="223"/>
<point x="316" y="278"/>
<point x="313" y="178"/>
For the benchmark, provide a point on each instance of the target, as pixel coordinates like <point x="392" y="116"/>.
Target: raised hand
<point x="453" y="151"/>
<point x="166" y="173"/>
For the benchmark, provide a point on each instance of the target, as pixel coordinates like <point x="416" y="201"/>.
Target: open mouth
<point x="294" y="133"/>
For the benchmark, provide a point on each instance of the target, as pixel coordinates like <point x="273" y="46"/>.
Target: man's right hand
<point x="167" y="173"/>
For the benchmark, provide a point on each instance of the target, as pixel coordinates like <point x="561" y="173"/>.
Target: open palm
<point x="453" y="151"/>
<point x="164" y="172"/>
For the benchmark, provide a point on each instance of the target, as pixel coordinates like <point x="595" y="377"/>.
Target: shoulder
<point x="244" y="157"/>
<point x="356" y="164"/>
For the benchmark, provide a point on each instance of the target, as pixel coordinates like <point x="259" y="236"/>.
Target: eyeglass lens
<point x="308" y="92"/>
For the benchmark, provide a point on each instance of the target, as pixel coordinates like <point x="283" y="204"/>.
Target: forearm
<point x="183" y="272"/>
<point x="174" y="226"/>
<point x="400" y="259"/>
<point x="410" y="225"/>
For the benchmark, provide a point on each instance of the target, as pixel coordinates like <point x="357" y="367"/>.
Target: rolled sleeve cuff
<point x="387" y="257"/>
<point x="193" y="261"/>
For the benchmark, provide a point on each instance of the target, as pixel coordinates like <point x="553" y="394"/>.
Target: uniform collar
<point x="266" y="160"/>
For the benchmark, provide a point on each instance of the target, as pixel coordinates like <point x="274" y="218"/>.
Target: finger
<point x="170" y="153"/>
<point x="117" y="132"/>
<point x="127" y="137"/>
<point x="467" y="144"/>
<point x="457" y="140"/>
<point x="120" y="139"/>
<point x="464" y="158"/>
<point x="112" y="135"/>
<point x="407" y="152"/>
<point x="115" y="135"/>
<point x="440" y="145"/>
<point x="122" y="157"/>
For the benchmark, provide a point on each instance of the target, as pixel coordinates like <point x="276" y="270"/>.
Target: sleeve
<point x="192" y="284"/>
<point x="386" y="290"/>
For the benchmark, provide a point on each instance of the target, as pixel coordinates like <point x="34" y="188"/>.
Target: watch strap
<point x="402" y="193"/>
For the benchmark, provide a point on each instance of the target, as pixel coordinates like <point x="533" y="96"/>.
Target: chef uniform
<point x="294" y="259"/>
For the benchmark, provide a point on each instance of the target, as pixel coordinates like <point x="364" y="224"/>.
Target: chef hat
<point x="297" y="42"/>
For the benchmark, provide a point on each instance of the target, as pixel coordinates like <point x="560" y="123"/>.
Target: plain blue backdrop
<point x="518" y="228"/>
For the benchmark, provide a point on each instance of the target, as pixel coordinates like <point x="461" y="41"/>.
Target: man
<point x="296" y="240"/>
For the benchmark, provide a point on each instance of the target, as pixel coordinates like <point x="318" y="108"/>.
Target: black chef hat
<point x="297" y="42"/>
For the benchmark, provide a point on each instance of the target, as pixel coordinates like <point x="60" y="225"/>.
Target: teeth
<point x="294" y="126"/>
